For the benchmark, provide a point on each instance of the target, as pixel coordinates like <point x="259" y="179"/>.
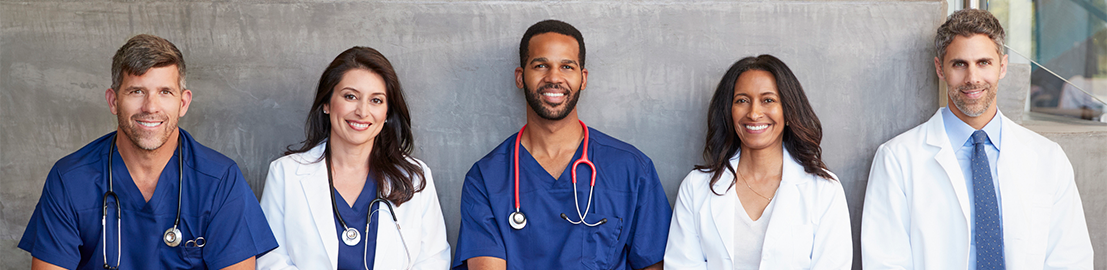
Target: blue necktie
<point x="989" y="229"/>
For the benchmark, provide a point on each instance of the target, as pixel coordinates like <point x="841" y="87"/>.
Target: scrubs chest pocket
<point x="600" y="242"/>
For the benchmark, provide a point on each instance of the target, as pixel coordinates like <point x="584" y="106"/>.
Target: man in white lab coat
<point x="970" y="189"/>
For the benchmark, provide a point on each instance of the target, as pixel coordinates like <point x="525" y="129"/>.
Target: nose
<point x="755" y="111"/>
<point x="555" y="76"/>
<point x="973" y="75"/>
<point x="150" y="104"/>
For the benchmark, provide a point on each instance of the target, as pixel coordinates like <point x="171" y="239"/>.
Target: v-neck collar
<point x="544" y="179"/>
<point x="128" y="191"/>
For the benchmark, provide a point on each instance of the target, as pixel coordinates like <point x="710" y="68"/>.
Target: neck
<point x="762" y="164"/>
<point x="978" y="122"/>
<point x="141" y="161"/>
<point x="349" y="157"/>
<point x="550" y="137"/>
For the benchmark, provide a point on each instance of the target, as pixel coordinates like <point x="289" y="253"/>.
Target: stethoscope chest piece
<point x="172" y="237"/>
<point x="351" y="236"/>
<point x="517" y="220"/>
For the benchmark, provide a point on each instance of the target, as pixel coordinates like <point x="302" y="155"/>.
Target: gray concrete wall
<point x="866" y="66"/>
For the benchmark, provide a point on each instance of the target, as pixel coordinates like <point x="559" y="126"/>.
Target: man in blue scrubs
<point x="158" y="174"/>
<point x="626" y="216"/>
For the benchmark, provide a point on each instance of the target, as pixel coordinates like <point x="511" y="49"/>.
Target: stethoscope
<point x="350" y="236"/>
<point x="172" y="236"/>
<point x="518" y="220"/>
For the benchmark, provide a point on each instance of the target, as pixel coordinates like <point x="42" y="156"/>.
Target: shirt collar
<point x="959" y="132"/>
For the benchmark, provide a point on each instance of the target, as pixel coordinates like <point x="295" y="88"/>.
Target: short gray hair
<point x="143" y="52"/>
<point x="968" y="22"/>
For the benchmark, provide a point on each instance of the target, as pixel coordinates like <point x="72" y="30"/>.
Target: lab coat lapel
<point x="1015" y="192"/>
<point x="723" y="207"/>
<point x="787" y="214"/>
<point x="317" y="193"/>
<point x="936" y="137"/>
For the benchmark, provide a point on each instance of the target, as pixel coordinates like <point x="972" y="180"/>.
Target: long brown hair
<point x="802" y="135"/>
<point x="389" y="161"/>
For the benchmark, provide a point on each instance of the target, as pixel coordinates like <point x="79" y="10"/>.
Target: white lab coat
<point x="297" y="204"/>
<point x="916" y="213"/>
<point x="809" y="227"/>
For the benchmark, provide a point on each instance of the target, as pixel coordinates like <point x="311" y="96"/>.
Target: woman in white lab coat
<point x="352" y="197"/>
<point x="763" y="199"/>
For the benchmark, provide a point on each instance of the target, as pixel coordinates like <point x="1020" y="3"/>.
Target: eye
<point x="540" y="66"/>
<point x="768" y="100"/>
<point x="349" y="97"/>
<point x="985" y="63"/>
<point x="958" y="64"/>
<point x="567" y="67"/>
<point x="166" y="92"/>
<point x="377" y="100"/>
<point x="741" y="100"/>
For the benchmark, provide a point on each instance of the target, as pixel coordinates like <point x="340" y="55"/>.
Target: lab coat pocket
<point x="801" y="245"/>
<point x="600" y="242"/>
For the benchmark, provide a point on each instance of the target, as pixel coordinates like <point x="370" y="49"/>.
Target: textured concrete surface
<point x="866" y="66"/>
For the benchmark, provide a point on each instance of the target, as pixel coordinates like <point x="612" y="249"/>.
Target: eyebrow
<point x="543" y="59"/>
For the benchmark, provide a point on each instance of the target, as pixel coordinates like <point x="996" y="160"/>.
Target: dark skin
<point x="553" y="60"/>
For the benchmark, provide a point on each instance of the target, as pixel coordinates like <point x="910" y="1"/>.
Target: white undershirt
<point x="749" y="236"/>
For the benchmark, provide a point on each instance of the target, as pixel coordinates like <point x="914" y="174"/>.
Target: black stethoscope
<point x="350" y="236"/>
<point x="518" y="220"/>
<point x="172" y="236"/>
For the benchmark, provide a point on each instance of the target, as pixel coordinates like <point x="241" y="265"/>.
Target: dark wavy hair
<point x="802" y="134"/>
<point x="388" y="162"/>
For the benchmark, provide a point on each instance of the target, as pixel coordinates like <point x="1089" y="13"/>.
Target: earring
<point x="325" y="112"/>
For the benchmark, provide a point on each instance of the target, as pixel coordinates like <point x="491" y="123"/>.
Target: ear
<point x="519" y="78"/>
<point x="938" y="69"/>
<point x="1003" y="67"/>
<point x="109" y="95"/>
<point x="186" y="100"/>
<point x="583" y="78"/>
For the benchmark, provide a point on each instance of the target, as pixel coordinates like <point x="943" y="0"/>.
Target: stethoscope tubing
<point x="176" y="233"/>
<point x="576" y="201"/>
<point x="369" y="214"/>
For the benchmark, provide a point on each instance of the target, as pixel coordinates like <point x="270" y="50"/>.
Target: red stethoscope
<point x="518" y="220"/>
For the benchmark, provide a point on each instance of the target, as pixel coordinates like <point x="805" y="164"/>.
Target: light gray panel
<point x="653" y="66"/>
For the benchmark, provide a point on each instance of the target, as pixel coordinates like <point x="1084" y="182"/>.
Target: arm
<point x="478" y="235"/>
<point x="435" y="253"/>
<point x="272" y="204"/>
<point x="885" y="241"/>
<point x="650" y="227"/>
<point x="833" y="246"/>
<point x="37" y="264"/>
<point x="1068" y="245"/>
<point x="486" y="263"/>
<point x="683" y="249"/>
<point x="237" y="218"/>
<point x="656" y="266"/>
<point x="246" y="264"/>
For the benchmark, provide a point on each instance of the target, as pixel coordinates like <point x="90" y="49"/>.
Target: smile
<point x="757" y="127"/>
<point x="149" y="124"/>
<point x="358" y="126"/>
<point x="549" y="94"/>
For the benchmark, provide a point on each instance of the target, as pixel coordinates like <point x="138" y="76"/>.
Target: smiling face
<point x="552" y="77"/>
<point x="757" y="111"/>
<point x="971" y="69"/>
<point x="148" y="106"/>
<point x="357" y="109"/>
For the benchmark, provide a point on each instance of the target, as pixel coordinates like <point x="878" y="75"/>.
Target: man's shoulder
<point x="618" y="149"/>
<point x="205" y="160"/>
<point x="1032" y="141"/>
<point x="90" y="154"/>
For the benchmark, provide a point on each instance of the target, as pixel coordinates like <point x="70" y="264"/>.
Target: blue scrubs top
<point x="351" y="257"/>
<point x="216" y="204"/>
<point x="628" y="194"/>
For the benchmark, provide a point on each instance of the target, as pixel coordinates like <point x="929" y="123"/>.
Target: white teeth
<point x="358" y="126"/>
<point x="553" y="94"/>
<point x="758" y="127"/>
<point x="148" y="124"/>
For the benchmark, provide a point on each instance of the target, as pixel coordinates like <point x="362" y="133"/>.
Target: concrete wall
<point x="866" y="66"/>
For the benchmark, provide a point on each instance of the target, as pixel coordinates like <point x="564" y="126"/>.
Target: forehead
<point x="972" y="47"/>
<point x="157" y="77"/>
<point x="755" y="82"/>
<point x="553" y="46"/>
<point x="362" y="80"/>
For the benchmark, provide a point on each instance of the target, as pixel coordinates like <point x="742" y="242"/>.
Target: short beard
<point x="535" y="102"/>
<point x="965" y="108"/>
<point x="132" y="132"/>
